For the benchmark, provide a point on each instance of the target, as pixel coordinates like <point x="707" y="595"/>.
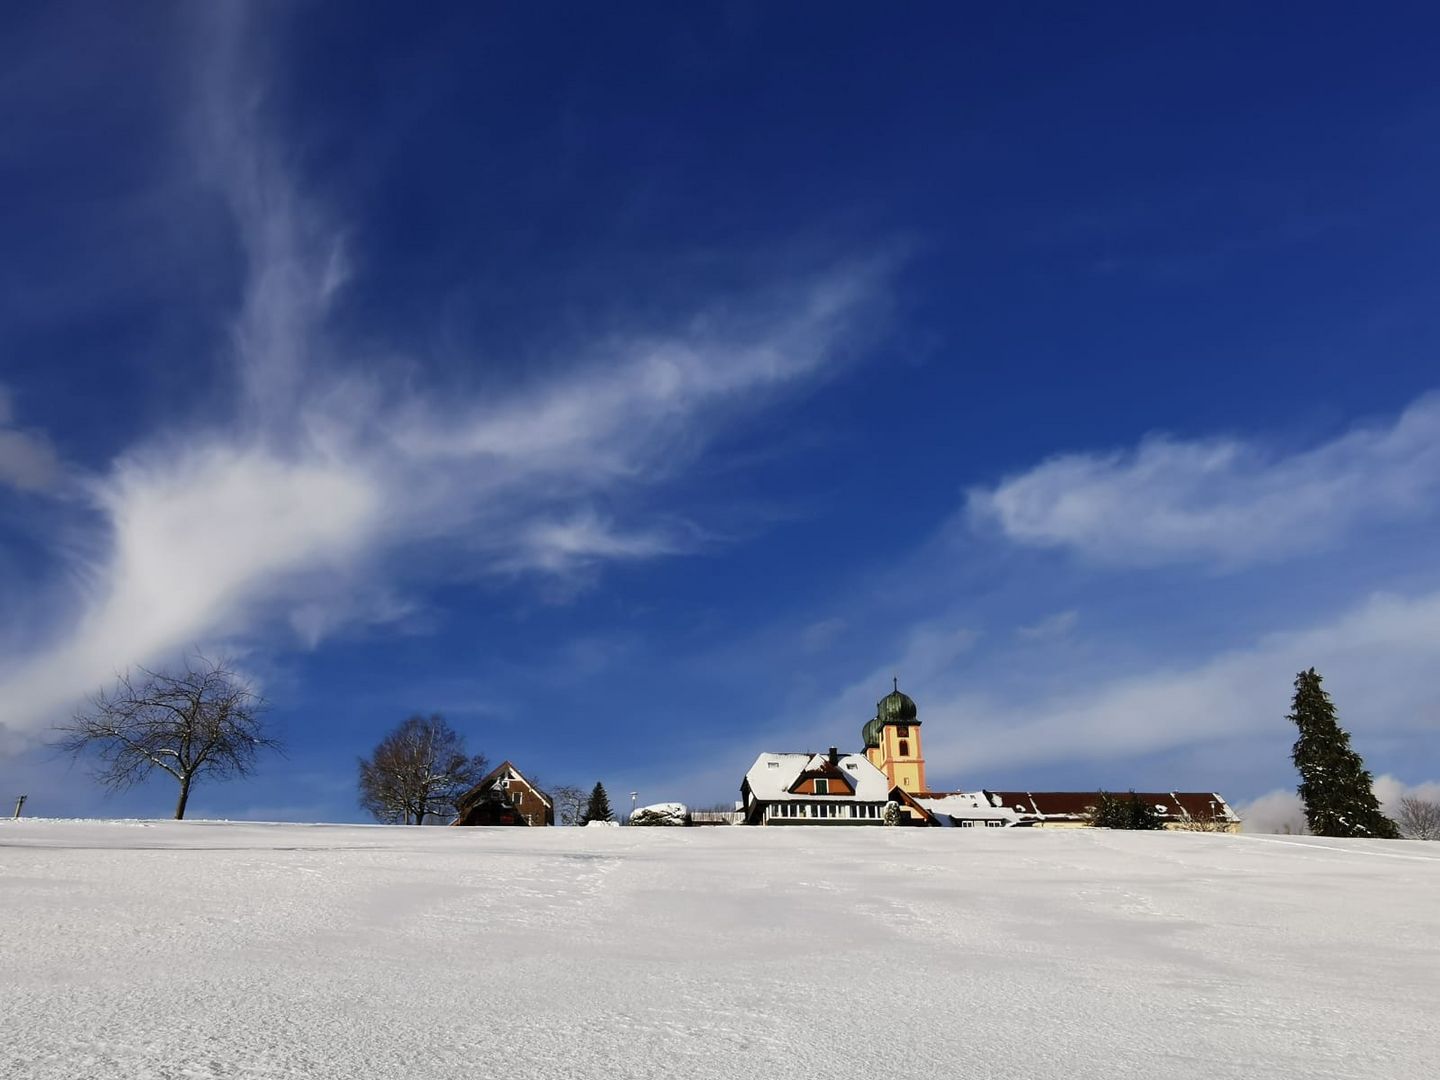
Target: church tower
<point x="892" y="741"/>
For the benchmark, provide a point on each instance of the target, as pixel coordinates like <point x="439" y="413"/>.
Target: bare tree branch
<point x="569" y="803"/>
<point x="1419" y="819"/>
<point x="418" y="771"/>
<point x="202" y="721"/>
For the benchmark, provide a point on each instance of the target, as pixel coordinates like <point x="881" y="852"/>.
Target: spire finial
<point x="895" y="682"/>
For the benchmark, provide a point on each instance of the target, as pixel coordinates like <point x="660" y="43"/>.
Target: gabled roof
<point x="772" y="776"/>
<point x="825" y="770"/>
<point x="499" y="772"/>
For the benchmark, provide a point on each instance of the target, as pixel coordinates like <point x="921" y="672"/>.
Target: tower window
<point x="904" y="731"/>
<point x="904" y="747"/>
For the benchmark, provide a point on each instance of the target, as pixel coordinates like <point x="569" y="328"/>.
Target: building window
<point x="904" y="748"/>
<point x="903" y="731"/>
<point x="772" y="764"/>
<point x="994" y="824"/>
<point x="822" y="786"/>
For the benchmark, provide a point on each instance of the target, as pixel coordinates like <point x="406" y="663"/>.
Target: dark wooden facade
<point x="505" y="797"/>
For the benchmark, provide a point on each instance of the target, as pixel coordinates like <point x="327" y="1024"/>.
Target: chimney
<point x="834" y="756"/>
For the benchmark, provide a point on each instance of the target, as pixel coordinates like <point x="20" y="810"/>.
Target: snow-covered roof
<point x="965" y="806"/>
<point x="772" y="776"/>
<point x="1076" y="805"/>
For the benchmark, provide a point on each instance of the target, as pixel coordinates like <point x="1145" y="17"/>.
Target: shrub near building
<point x="1129" y="812"/>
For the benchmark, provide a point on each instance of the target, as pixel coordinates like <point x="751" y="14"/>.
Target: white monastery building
<point x="855" y="789"/>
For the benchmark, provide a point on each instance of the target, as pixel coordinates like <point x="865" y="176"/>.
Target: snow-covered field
<point x="196" y="949"/>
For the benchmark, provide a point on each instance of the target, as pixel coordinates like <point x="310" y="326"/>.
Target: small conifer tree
<point x="1127" y="813"/>
<point x="598" y="808"/>
<point x="1335" y="786"/>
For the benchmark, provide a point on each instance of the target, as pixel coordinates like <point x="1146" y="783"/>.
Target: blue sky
<point x="642" y="388"/>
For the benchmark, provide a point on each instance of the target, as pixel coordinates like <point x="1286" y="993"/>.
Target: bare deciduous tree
<point x="1419" y="819"/>
<point x="204" y="721"/>
<point x="1209" y="821"/>
<point x="418" y="771"/>
<point x="569" y="801"/>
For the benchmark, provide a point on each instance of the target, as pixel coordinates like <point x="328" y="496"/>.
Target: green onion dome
<point x="893" y="708"/>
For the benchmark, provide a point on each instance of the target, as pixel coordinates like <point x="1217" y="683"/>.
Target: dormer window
<point x="852" y="766"/>
<point x="822" y="786"/>
<point x="772" y="764"/>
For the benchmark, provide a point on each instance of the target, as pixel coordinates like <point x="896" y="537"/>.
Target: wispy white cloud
<point x="822" y="633"/>
<point x="1050" y="627"/>
<point x="1282" y="811"/>
<point x="1391" y="789"/>
<point x="1225" y="501"/>
<point x="1278" y="811"/>
<point x="28" y="461"/>
<point x="1368" y="655"/>
<point x="286" y="510"/>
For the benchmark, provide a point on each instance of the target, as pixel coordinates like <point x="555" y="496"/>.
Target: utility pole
<point x="20" y="804"/>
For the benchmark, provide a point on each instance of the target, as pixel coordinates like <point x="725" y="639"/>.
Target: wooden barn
<point x="505" y="797"/>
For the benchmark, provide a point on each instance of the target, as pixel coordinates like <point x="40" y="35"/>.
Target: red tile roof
<point x="1177" y="805"/>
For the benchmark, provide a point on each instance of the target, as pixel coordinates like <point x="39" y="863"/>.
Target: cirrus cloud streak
<point x="1221" y="501"/>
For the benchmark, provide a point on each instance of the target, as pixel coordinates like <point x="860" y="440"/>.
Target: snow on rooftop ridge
<point x="771" y="784"/>
<point x="968" y="805"/>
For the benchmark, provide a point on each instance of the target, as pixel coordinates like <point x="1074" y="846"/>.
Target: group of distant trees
<point x="207" y="722"/>
<point x="421" y="769"/>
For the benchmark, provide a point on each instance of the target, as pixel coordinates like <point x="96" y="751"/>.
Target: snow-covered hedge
<point x="669" y="813"/>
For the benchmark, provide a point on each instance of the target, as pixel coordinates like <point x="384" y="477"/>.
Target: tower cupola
<point x="892" y="740"/>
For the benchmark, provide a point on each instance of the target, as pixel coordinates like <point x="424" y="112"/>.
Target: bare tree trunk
<point x="184" y="797"/>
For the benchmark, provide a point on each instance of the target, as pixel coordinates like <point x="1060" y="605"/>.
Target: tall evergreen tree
<point x="1334" y="783"/>
<point x="598" y="808"/>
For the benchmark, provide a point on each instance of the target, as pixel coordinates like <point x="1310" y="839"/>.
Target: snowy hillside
<point x="235" y="950"/>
